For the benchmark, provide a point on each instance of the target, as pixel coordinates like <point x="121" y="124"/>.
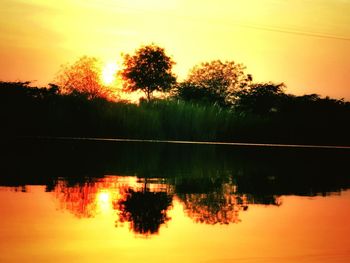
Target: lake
<point x="95" y="201"/>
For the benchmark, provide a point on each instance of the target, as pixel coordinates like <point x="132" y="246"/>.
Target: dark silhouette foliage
<point x="214" y="81"/>
<point x="260" y="98"/>
<point x="192" y="92"/>
<point x="148" y="70"/>
<point x="82" y="78"/>
<point x="263" y="114"/>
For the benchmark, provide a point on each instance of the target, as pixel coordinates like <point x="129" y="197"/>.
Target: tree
<point x="148" y="70"/>
<point x="194" y="92"/>
<point x="214" y="81"/>
<point x="260" y="98"/>
<point x="83" y="78"/>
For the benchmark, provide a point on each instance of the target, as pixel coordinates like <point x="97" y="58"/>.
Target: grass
<point x="28" y="111"/>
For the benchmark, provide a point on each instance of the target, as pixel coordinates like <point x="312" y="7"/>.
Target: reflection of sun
<point x="103" y="197"/>
<point x="109" y="72"/>
<point x="104" y="202"/>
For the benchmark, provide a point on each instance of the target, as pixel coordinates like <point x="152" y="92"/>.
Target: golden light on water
<point x="103" y="197"/>
<point x="301" y="230"/>
<point x="104" y="202"/>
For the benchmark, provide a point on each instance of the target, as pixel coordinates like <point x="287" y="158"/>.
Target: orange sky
<point x="304" y="43"/>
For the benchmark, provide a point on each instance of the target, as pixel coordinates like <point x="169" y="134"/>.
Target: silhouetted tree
<point x="148" y="70"/>
<point x="260" y="98"/>
<point x="193" y="92"/>
<point x="82" y="77"/>
<point x="214" y="81"/>
<point x="20" y="90"/>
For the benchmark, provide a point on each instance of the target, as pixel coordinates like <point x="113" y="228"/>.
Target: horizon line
<point x="271" y="145"/>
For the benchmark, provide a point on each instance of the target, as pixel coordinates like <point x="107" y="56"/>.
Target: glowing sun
<point x="109" y="72"/>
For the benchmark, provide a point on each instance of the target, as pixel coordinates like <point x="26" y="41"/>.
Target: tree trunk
<point x="148" y="94"/>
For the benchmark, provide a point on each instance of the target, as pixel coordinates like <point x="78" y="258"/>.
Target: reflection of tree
<point x="146" y="211"/>
<point x="79" y="199"/>
<point x="221" y="206"/>
<point x="143" y="203"/>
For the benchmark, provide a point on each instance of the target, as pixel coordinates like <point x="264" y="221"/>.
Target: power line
<point x="284" y="30"/>
<point x="294" y="32"/>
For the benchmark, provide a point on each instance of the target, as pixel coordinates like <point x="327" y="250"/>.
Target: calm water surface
<point x="92" y="202"/>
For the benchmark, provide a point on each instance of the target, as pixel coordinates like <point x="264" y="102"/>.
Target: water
<point x="74" y="201"/>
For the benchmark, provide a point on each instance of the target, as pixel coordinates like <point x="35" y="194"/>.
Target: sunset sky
<point x="304" y="43"/>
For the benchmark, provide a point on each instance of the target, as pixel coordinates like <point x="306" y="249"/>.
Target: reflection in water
<point x="141" y="203"/>
<point x="22" y="189"/>
<point x="213" y="208"/>
<point x="301" y="230"/>
<point x="144" y="203"/>
<point x="197" y="191"/>
<point x="145" y="210"/>
<point x="219" y="207"/>
<point x="214" y="184"/>
<point x="80" y="200"/>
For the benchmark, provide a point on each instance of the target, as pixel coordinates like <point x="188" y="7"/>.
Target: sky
<point x="303" y="43"/>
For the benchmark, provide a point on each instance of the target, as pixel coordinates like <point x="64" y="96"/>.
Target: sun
<point x="109" y="71"/>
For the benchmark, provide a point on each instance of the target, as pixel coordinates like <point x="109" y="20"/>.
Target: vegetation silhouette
<point x="262" y="114"/>
<point x="218" y="101"/>
<point x="214" y="82"/>
<point x="149" y="70"/>
<point x="261" y="98"/>
<point x="82" y="78"/>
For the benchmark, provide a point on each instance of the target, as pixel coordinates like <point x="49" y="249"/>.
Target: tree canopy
<point x="261" y="98"/>
<point x="82" y="77"/>
<point x="148" y="70"/>
<point x="214" y="81"/>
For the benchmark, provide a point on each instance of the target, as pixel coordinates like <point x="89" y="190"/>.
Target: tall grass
<point x="175" y="120"/>
<point x="40" y="112"/>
